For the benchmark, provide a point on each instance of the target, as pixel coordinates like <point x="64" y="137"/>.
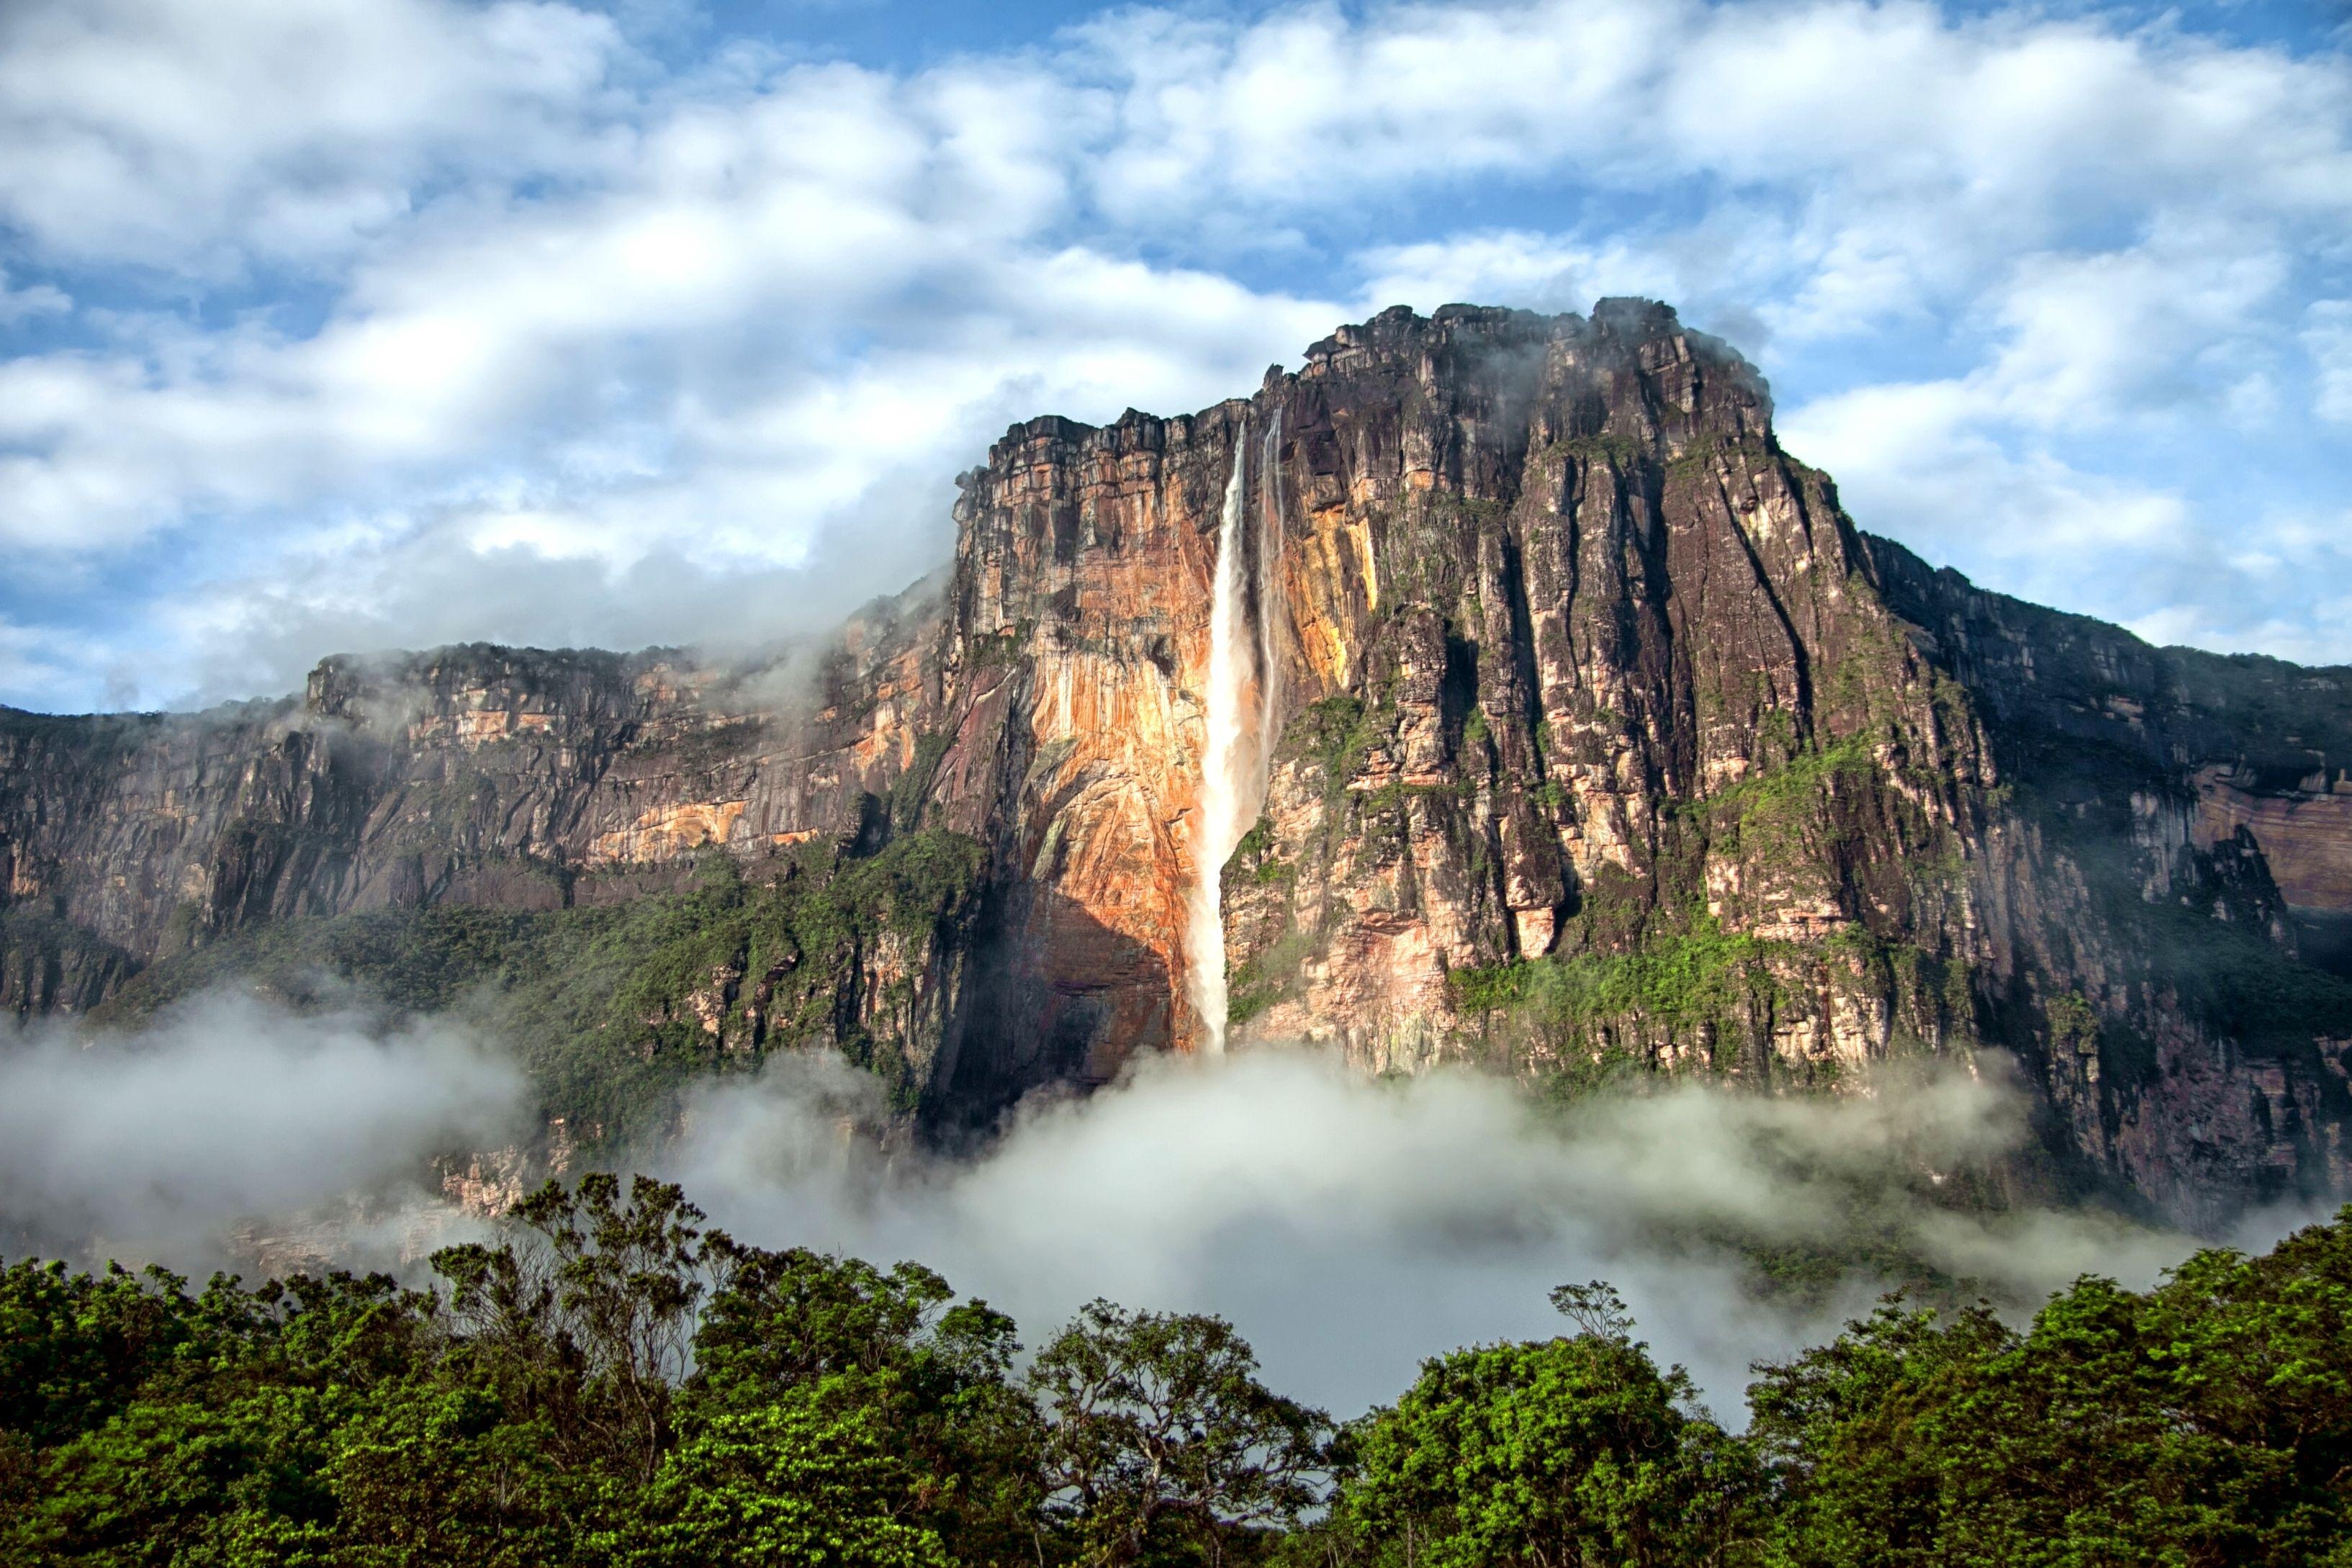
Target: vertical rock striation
<point x="1606" y="741"/>
<point x="1590" y="736"/>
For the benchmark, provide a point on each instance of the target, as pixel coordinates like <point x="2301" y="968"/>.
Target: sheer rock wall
<point x="1602" y="737"/>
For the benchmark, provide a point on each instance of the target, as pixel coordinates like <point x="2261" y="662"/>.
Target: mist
<point x="1353" y="1227"/>
<point x="233" y="1132"/>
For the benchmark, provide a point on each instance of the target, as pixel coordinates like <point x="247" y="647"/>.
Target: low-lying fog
<point x="1351" y="1226"/>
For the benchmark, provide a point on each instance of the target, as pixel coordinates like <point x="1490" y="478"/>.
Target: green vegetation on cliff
<point x="612" y="1008"/>
<point x="1679" y="977"/>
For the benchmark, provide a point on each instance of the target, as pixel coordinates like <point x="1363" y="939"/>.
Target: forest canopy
<point x="614" y="1383"/>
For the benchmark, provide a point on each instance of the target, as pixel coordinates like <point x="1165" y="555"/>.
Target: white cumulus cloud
<point x="326" y="302"/>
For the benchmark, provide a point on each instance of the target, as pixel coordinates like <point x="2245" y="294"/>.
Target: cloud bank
<point x="1349" y="1226"/>
<point x="231" y="1123"/>
<point x="328" y="324"/>
<point x="1352" y="1227"/>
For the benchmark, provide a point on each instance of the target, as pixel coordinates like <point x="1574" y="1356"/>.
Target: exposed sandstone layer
<point x="1077" y="647"/>
<point x="1603" y="740"/>
<point x="2305" y="834"/>
<point x="473" y="775"/>
<point x="1577" y="665"/>
<point x="1588" y="589"/>
<point x="2141" y="945"/>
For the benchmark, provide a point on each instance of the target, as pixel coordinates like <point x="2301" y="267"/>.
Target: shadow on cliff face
<point x="1351" y="1227"/>
<point x="1055" y="997"/>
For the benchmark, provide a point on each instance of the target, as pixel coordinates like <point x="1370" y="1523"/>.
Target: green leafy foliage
<point x="2073" y="1026"/>
<point x="1268" y="976"/>
<point x="1777" y="802"/>
<point x="73" y="1347"/>
<point x="596" y="1001"/>
<point x="2209" y="1421"/>
<point x="1159" y="1433"/>
<point x="1576" y="1449"/>
<point x="895" y="1350"/>
<point x="1336" y="732"/>
<point x="612" y="1385"/>
<point x="1678" y="977"/>
<point x="790" y="1481"/>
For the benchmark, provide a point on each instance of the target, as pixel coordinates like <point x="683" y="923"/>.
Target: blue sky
<point x="336" y="324"/>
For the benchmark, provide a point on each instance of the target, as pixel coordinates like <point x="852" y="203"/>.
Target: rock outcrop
<point x="1595" y="738"/>
<point x="507" y="777"/>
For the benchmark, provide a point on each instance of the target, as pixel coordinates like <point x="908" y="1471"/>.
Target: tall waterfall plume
<point x="1231" y="788"/>
<point x="1269" y="598"/>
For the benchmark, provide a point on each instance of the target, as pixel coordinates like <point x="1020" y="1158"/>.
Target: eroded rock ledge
<point x="1605" y="741"/>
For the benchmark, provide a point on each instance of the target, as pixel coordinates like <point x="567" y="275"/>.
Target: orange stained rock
<point x="666" y="832"/>
<point x="2307" y="837"/>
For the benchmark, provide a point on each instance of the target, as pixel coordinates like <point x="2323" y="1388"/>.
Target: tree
<point x="188" y="1480"/>
<point x="836" y="1414"/>
<point x="591" y="1325"/>
<point x="930" y="1374"/>
<point x="789" y="1481"/>
<point x="1157" y="1424"/>
<point x="1835" y="1429"/>
<point x="211" y="1448"/>
<point x="1574" y="1450"/>
<point x="2207" y="1422"/>
<point x="433" y="1476"/>
<point x="784" y="1319"/>
<point x="76" y="1348"/>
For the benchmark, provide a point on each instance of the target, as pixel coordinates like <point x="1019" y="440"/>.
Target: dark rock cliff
<point x="1594" y="738"/>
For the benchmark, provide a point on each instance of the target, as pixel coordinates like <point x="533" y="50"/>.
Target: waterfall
<point x="1227" y="766"/>
<point x="1269" y="599"/>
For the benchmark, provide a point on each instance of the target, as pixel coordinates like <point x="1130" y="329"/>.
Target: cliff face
<point x="472" y="775"/>
<point x="1593" y="595"/>
<point x="2167" y="883"/>
<point x="1071" y="741"/>
<point x="1536" y="581"/>
<point x="1588" y="735"/>
<point x="1605" y="741"/>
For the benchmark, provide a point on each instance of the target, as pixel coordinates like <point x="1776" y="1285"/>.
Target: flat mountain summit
<point x="1577" y="732"/>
